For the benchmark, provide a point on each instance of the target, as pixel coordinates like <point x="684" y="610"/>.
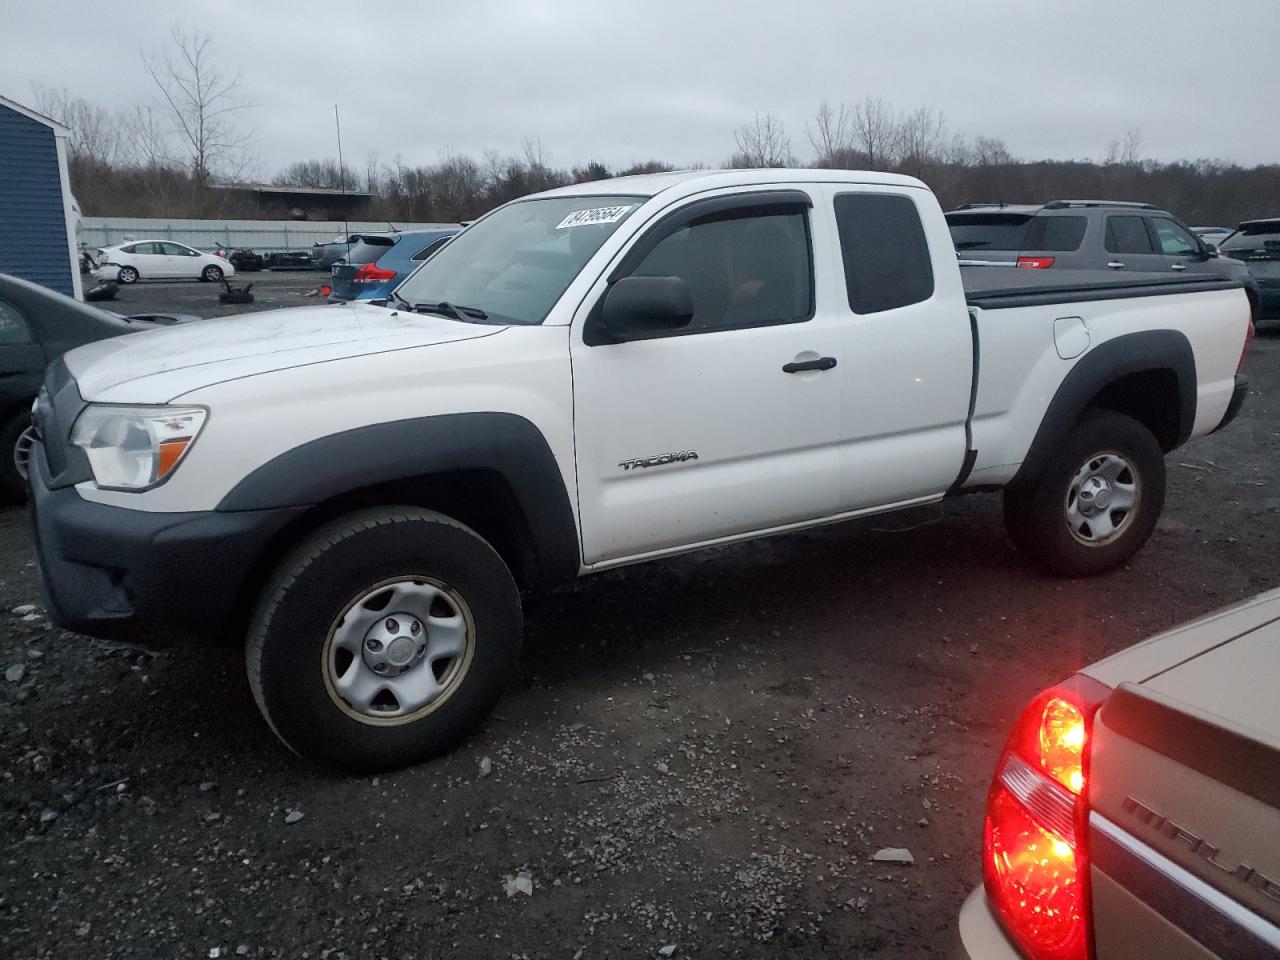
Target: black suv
<point x="1257" y="244"/>
<point x="1088" y="235"/>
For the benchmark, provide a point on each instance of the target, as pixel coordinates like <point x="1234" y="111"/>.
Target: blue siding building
<point x="37" y="222"/>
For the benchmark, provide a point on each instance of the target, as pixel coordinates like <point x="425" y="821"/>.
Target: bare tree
<point x="875" y="132"/>
<point x="831" y="136"/>
<point x="1128" y="154"/>
<point x="922" y="135"/>
<point x="204" y="103"/>
<point x="762" y="143"/>
<point x="95" y="131"/>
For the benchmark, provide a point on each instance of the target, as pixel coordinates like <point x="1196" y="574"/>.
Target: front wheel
<point x="127" y="275"/>
<point x="1096" y="501"/>
<point x="383" y="639"/>
<point x="17" y="438"/>
<point x="212" y="273"/>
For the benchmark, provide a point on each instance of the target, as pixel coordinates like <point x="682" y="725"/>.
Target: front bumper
<point x="147" y="578"/>
<point x="979" y="935"/>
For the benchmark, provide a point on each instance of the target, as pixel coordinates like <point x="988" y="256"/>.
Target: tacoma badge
<point x="659" y="460"/>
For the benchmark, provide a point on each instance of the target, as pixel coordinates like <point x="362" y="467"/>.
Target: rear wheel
<point x="383" y="640"/>
<point x="128" y="275"/>
<point x="1095" y="502"/>
<point x="212" y="273"/>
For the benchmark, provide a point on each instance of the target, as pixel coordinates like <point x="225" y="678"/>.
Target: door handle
<point x="799" y="366"/>
<point x="1177" y="266"/>
<point x="1115" y="265"/>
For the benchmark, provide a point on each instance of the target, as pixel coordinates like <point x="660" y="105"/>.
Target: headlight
<point x="133" y="448"/>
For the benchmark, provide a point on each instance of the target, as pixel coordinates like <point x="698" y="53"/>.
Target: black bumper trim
<point x="1237" y="401"/>
<point x="146" y="578"/>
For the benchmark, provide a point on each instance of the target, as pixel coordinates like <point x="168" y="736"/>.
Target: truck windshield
<point x="514" y="264"/>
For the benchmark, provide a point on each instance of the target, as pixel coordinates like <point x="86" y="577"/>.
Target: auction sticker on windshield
<point x="595" y="215"/>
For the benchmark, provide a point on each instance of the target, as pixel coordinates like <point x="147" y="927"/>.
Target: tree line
<point x="166" y="158"/>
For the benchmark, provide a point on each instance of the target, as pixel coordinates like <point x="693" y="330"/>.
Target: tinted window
<point x="744" y="268"/>
<point x="1128" y="235"/>
<point x="1260" y="237"/>
<point x="369" y="249"/>
<point x="988" y="231"/>
<point x="1174" y="240"/>
<point x="886" y="257"/>
<point x="132" y="248"/>
<point x="1055" y="234"/>
<point x="13" y="325"/>
<point x="430" y="248"/>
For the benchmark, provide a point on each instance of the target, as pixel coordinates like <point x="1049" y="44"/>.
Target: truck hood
<point x="158" y="365"/>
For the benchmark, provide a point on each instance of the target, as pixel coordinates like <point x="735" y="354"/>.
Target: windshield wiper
<point x="401" y="300"/>
<point x="453" y="311"/>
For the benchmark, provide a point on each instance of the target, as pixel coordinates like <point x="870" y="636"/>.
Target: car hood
<point x="156" y="366"/>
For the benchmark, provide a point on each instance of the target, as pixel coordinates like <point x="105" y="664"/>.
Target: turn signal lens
<point x="1062" y="743"/>
<point x="1036" y="263"/>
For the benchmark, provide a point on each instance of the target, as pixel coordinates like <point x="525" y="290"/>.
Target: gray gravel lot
<point x="702" y="753"/>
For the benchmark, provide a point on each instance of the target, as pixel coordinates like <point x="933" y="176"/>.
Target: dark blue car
<point x="379" y="261"/>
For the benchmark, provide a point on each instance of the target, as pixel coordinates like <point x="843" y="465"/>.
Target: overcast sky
<point x="622" y="82"/>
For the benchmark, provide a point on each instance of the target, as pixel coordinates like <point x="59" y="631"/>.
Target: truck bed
<point x="1002" y="287"/>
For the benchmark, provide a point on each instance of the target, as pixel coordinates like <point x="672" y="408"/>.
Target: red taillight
<point x="1035" y="263"/>
<point x="370" y="272"/>
<point x="1244" y="351"/>
<point x="1034" y="862"/>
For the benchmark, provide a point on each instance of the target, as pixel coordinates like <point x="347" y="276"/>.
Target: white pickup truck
<point x="597" y="375"/>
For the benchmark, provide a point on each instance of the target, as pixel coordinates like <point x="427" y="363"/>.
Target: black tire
<point x="13" y="486"/>
<point x="128" y="275"/>
<point x="1036" y="514"/>
<point x="212" y="273"/>
<point x="288" y="637"/>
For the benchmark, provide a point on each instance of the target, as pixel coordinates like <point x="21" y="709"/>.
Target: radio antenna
<point x="342" y="182"/>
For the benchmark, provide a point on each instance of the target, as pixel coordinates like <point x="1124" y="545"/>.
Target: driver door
<point x="712" y="431"/>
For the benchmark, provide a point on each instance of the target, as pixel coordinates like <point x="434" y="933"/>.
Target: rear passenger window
<point x="1128" y="235"/>
<point x="1055" y="234"/>
<point x="13" y="325"/>
<point x="886" y="257"/>
<point x="430" y="248"/>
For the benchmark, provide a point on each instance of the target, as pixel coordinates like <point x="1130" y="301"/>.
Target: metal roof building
<point x="37" y="212"/>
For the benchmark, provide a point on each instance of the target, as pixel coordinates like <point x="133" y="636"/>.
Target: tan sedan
<point x="1135" y="811"/>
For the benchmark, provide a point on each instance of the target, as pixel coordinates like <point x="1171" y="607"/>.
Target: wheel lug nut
<point x="392" y="625"/>
<point x="415" y="628"/>
<point x="422" y="648"/>
<point x="379" y="668"/>
<point x="374" y="645"/>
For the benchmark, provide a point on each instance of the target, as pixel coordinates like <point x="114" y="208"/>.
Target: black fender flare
<point x="364" y="457"/>
<point x="1130" y="353"/>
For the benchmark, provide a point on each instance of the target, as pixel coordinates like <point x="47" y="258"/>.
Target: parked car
<point x="159" y="260"/>
<point x="1257" y="244"/>
<point x="37" y="326"/>
<point x="598" y="375"/>
<point x="246" y="260"/>
<point x="325" y="255"/>
<point x="381" y="260"/>
<point x="1087" y="235"/>
<point x="1212" y="236"/>
<point x="1135" y="810"/>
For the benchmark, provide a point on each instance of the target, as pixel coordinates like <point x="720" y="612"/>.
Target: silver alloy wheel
<point x="212" y="273"/>
<point x="1103" y="499"/>
<point x="127" y="275"/>
<point x="398" y="650"/>
<point x="22" y="450"/>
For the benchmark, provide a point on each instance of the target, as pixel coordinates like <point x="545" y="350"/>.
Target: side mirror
<point x="640" y="307"/>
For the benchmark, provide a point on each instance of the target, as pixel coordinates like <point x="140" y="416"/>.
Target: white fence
<point x="264" y="236"/>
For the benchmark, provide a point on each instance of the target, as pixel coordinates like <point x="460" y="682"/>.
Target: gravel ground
<point x="700" y="756"/>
